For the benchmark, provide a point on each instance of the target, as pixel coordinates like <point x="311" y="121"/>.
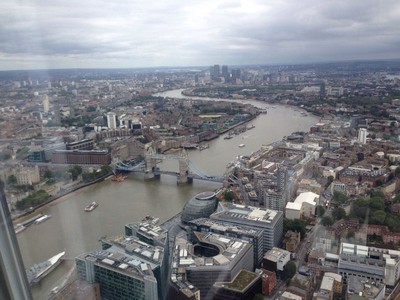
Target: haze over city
<point x="103" y="34"/>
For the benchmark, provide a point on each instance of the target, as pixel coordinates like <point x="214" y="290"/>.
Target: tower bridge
<point x="148" y="166"/>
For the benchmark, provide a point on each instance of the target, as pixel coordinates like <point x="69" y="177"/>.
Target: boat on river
<point x="42" y="219"/>
<point x="119" y="178"/>
<point x="19" y="228"/>
<point x="38" y="271"/>
<point x="91" y="206"/>
<point x="241" y="145"/>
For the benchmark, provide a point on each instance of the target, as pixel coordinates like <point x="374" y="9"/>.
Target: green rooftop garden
<point x="241" y="280"/>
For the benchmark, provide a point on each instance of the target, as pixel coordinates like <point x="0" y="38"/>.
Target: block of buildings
<point x="376" y="264"/>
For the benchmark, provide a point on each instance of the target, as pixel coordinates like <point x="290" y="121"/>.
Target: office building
<point x="111" y="120"/>
<point x="84" y="157"/>
<point x="362" y="136"/>
<point x="302" y="207"/>
<point x="149" y="232"/>
<point x="117" y="279"/>
<point x="276" y="259"/>
<point x="267" y="220"/>
<point x="155" y="256"/>
<point x="208" y="258"/>
<point x="200" y="206"/>
<point x="254" y="236"/>
<point x="369" y="263"/>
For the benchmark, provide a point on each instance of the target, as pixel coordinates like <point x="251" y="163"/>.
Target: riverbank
<point x="189" y="95"/>
<point x="59" y="198"/>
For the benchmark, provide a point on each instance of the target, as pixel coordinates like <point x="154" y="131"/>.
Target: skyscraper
<point x="46" y="103"/>
<point x="111" y="120"/>
<point x="362" y="135"/>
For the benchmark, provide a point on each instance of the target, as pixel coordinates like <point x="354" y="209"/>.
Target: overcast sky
<point x="97" y="33"/>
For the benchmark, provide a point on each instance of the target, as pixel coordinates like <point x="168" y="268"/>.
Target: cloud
<point x="98" y="33"/>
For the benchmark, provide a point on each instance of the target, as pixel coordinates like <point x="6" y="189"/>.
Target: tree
<point x="378" y="217"/>
<point x="339" y="197"/>
<point x="320" y="210"/>
<point x="289" y="270"/>
<point x="75" y="171"/>
<point x="228" y="195"/>
<point x="48" y="174"/>
<point x="350" y="235"/>
<point x="327" y="221"/>
<point x="12" y="180"/>
<point x="339" y="213"/>
<point x="329" y="181"/>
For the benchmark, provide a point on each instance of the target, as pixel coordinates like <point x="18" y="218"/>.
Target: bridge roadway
<point x="140" y="168"/>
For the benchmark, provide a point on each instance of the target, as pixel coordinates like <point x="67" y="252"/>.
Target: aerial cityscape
<point x="200" y="150"/>
<point x="313" y="214"/>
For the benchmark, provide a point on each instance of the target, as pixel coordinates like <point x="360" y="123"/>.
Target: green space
<point x="374" y="210"/>
<point x="241" y="280"/>
<point x="295" y="225"/>
<point x="32" y="200"/>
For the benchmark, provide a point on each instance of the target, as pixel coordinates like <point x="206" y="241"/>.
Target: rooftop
<point x="242" y="280"/>
<point x="254" y="215"/>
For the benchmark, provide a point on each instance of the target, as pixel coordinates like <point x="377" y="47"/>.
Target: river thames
<point x="72" y="229"/>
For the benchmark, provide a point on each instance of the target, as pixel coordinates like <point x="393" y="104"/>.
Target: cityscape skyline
<point x="98" y="34"/>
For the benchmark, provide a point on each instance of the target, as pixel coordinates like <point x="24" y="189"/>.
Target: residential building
<point x="362" y="136"/>
<point x="111" y="120"/>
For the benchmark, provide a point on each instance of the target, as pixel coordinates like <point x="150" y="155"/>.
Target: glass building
<point x="200" y="206"/>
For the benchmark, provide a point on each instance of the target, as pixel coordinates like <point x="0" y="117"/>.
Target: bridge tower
<point x="184" y="169"/>
<point x="151" y="164"/>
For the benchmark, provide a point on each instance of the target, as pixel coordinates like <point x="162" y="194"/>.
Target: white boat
<point x="241" y="145"/>
<point x="42" y="219"/>
<point x="40" y="270"/>
<point x="19" y="227"/>
<point x="91" y="206"/>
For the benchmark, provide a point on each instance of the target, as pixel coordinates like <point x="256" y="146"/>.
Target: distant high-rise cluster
<point x="223" y="75"/>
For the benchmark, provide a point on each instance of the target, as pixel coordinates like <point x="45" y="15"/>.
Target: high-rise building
<point x="111" y="120"/>
<point x="216" y="71"/>
<point x="46" y="104"/>
<point x="362" y="136"/>
<point x="225" y="72"/>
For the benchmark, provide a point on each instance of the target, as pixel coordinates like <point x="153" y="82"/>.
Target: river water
<point x="75" y="231"/>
